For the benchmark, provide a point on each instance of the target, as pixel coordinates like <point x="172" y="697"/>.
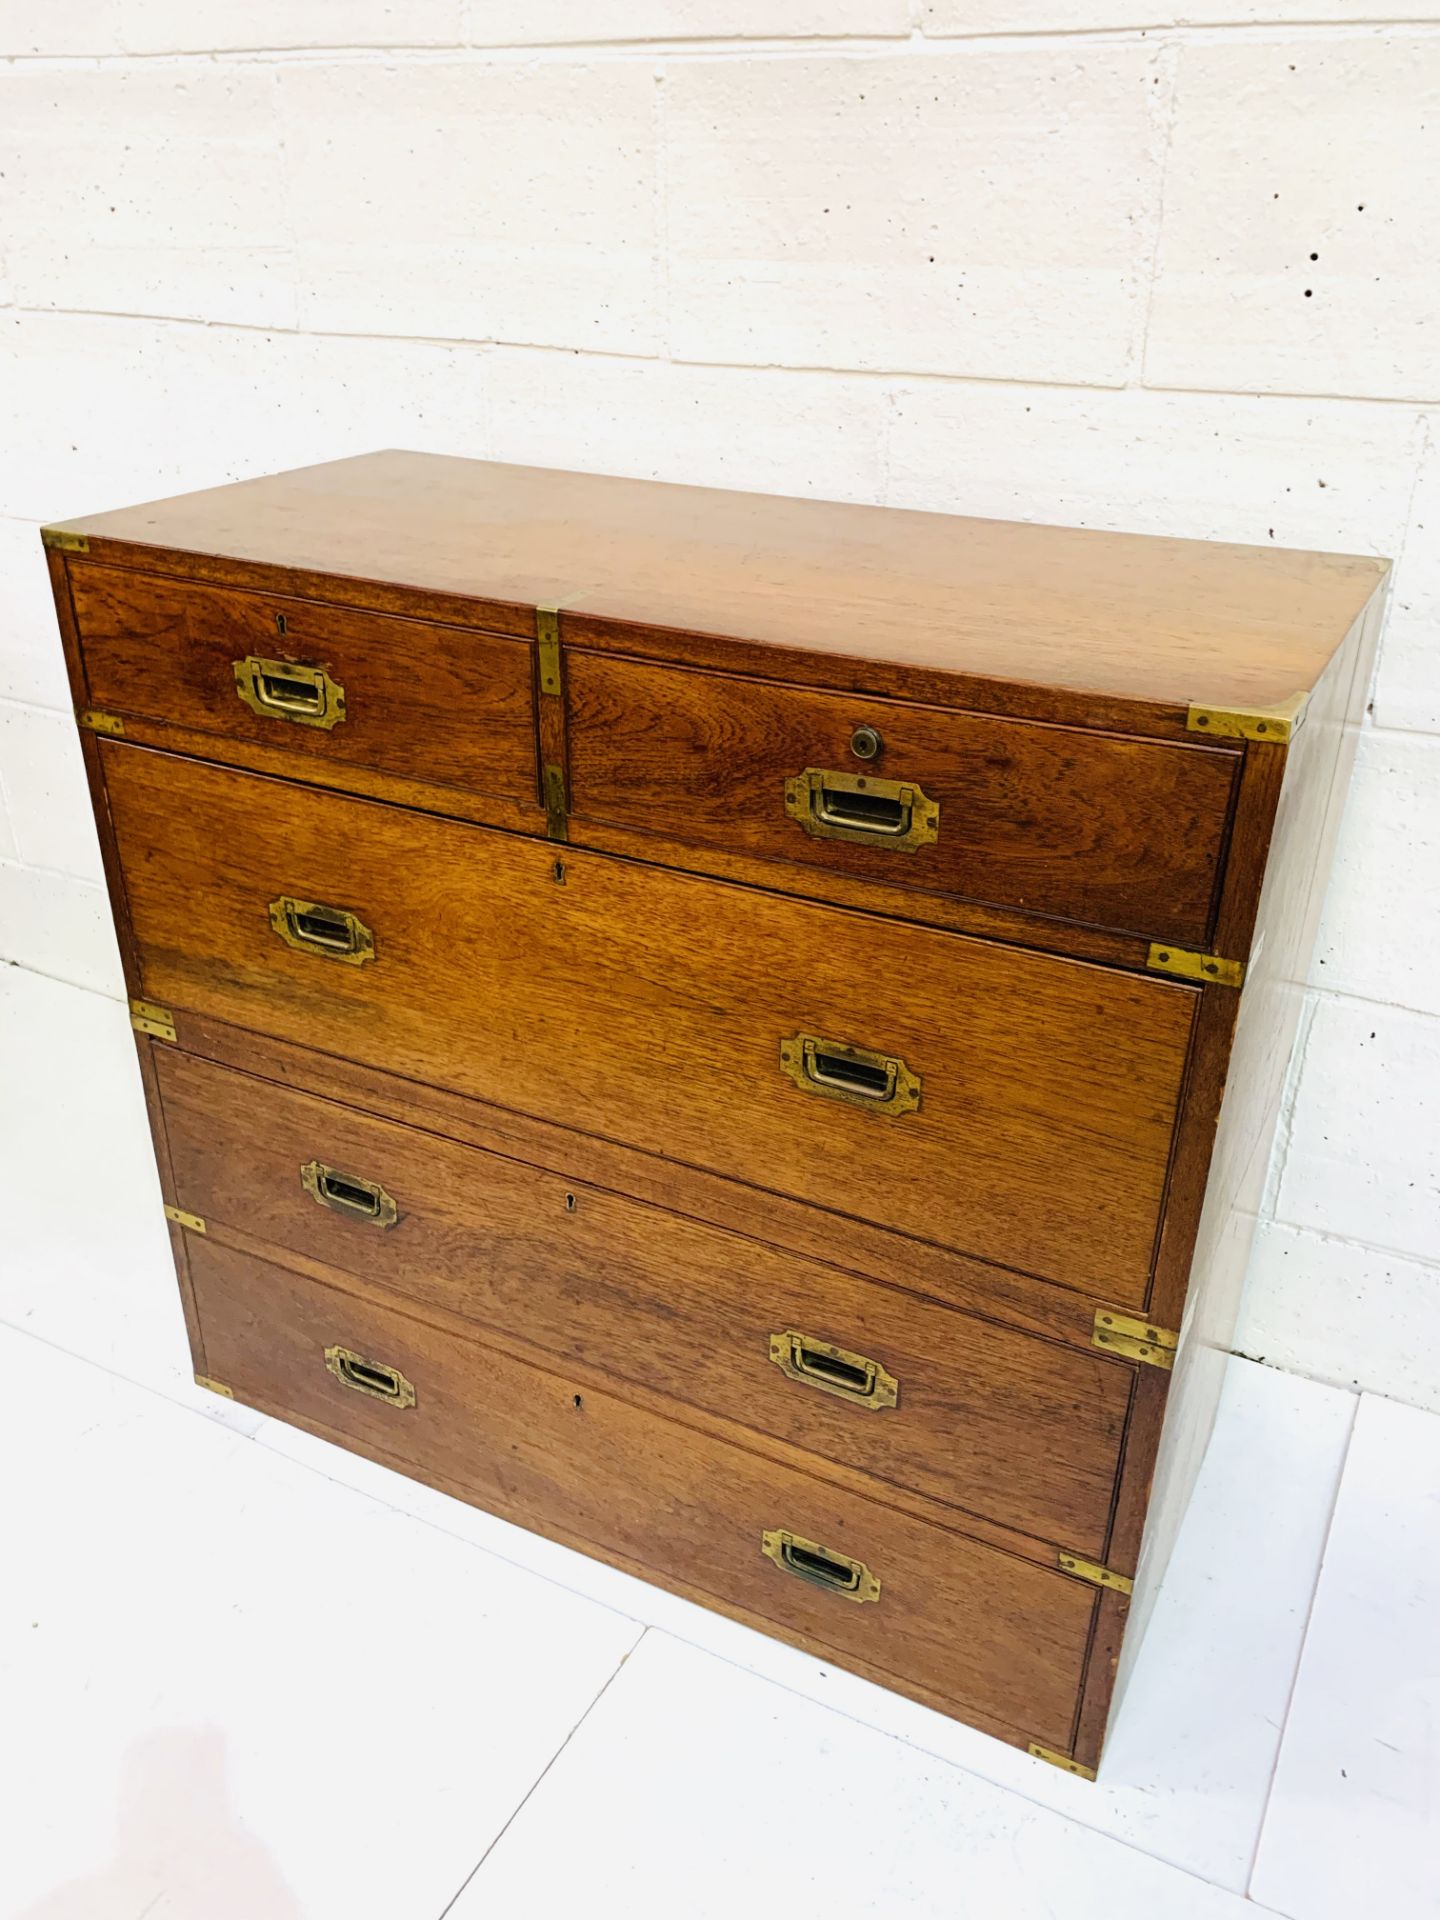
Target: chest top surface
<point x="1128" y="616"/>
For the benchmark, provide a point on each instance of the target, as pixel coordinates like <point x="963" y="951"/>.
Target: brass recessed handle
<point x="849" y="1376"/>
<point x="290" y="690"/>
<point x="820" y="1566"/>
<point x="837" y="1071"/>
<point x="346" y="1194"/>
<point x="370" y="1376"/>
<point x="863" y="809"/>
<point x="333" y="932"/>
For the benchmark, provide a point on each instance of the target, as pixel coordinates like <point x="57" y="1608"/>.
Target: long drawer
<point x="336" y="691"/>
<point x="928" y="1610"/>
<point x="914" y="1394"/>
<point x="1043" y="819"/>
<point x="1010" y="1104"/>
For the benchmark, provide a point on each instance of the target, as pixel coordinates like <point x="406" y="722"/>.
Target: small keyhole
<point x="558" y="870"/>
<point x="865" y="743"/>
<point x="569" y="1203"/>
<point x="280" y="626"/>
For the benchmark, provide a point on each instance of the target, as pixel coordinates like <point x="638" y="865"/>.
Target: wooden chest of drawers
<point x="731" y="1032"/>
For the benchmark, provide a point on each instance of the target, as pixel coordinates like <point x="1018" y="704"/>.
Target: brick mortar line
<point x="1352" y="1240"/>
<point x="1347" y="996"/>
<point x="900" y="45"/>
<point x="906" y="376"/>
<point x="19" y="864"/>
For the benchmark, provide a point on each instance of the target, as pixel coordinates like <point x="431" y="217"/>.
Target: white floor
<point x="243" y="1674"/>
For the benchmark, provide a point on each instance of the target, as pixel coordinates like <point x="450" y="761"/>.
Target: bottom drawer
<point x="963" y="1626"/>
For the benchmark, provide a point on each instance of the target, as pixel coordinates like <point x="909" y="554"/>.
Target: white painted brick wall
<point x="1296" y="254"/>
<point x="1012" y="257"/>
<point x="974" y="212"/>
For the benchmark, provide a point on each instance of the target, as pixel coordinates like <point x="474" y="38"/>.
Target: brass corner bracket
<point x="183" y="1219"/>
<point x="1276" y="725"/>
<point x="60" y="540"/>
<point x="1209" y="967"/>
<point x="215" y="1386"/>
<point x="1097" y="1575"/>
<point x="94" y="721"/>
<point x="1061" y="1760"/>
<point x="158" y="1022"/>
<point x="1133" y="1339"/>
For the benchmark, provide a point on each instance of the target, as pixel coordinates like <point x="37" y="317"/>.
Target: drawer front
<point x="1012" y="1105"/>
<point x="917" y="1395"/>
<point x="332" y="688"/>
<point x="978" y="1627"/>
<point x="1119" y="834"/>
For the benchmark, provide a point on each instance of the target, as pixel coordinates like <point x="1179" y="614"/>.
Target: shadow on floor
<point x="182" y="1853"/>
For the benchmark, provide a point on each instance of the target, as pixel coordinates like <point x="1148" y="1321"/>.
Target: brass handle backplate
<point x="312" y="927"/>
<point x="863" y="809"/>
<point x="370" y="1376"/>
<point x="835" y="1572"/>
<point x="345" y="1193"/>
<point x="290" y="690"/>
<point x="850" y="1376"/>
<point x="837" y="1071"/>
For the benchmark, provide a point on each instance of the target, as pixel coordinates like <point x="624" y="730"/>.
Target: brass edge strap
<point x="550" y="675"/>
<point x="183" y="1219"/>
<point x="547" y="646"/>
<point x="557" y="823"/>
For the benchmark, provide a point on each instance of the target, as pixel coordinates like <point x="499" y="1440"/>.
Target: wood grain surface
<point x="1043" y="819"/>
<point x="985" y="1630"/>
<point x="422" y="700"/>
<point x="987" y="1420"/>
<point x="878" y="1253"/>
<point x="650" y="1007"/>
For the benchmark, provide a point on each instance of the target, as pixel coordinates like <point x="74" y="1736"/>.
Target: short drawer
<point x="1116" y="833"/>
<point x="964" y="1624"/>
<point x="1008" y="1104"/>
<point x="985" y="1419"/>
<point x="335" y="690"/>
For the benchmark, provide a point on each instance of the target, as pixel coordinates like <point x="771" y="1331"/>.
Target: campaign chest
<point x="741" y="1034"/>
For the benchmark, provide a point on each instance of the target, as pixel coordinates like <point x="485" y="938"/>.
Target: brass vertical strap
<point x="550" y="680"/>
